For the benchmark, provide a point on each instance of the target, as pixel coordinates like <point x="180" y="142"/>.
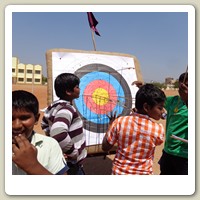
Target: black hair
<point x="65" y="82"/>
<point x="25" y="100"/>
<point x="183" y="76"/>
<point x="149" y="94"/>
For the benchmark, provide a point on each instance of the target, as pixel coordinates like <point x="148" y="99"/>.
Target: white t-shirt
<point x="49" y="154"/>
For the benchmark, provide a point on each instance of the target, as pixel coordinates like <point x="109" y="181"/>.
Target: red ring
<point x="89" y="102"/>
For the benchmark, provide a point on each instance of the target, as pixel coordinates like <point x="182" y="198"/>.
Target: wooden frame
<point x="92" y="149"/>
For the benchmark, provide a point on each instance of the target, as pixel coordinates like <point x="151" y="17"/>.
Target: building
<point x="169" y="80"/>
<point x="26" y="73"/>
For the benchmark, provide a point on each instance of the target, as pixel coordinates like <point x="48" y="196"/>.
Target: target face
<point x="102" y="91"/>
<point x="105" y="86"/>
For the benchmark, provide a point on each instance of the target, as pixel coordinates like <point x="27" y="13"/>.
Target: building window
<point x="37" y="71"/>
<point x="13" y="70"/>
<point x="29" y="80"/>
<point x="37" y="80"/>
<point x="20" y="70"/>
<point x="20" y="79"/>
<point x="29" y="71"/>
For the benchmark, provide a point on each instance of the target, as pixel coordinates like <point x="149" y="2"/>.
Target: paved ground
<point x="96" y="165"/>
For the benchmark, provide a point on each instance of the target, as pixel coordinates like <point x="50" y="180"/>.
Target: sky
<point x="159" y="40"/>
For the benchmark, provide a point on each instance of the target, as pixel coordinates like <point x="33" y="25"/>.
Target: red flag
<point x="92" y="22"/>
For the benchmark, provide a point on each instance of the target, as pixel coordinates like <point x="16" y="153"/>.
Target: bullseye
<point x="100" y="96"/>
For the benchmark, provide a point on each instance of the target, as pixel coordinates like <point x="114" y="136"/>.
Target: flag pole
<point x="93" y="39"/>
<point x="93" y="23"/>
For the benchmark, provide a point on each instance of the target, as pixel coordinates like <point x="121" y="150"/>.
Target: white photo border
<point x="101" y="185"/>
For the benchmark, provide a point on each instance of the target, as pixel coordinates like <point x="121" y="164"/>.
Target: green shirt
<point x="176" y="124"/>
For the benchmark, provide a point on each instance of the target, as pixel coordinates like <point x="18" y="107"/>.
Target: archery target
<point x="105" y="86"/>
<point x="103" y="90"/>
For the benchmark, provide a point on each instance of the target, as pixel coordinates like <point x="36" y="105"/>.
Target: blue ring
<point x="86" y="112"/>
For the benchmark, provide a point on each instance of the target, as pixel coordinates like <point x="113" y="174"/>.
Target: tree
<point x="159" y="85"/>
<point x="44" y="80"/>
<point x="176" y="84"/>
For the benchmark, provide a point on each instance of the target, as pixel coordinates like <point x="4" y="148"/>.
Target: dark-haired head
<point x="149" y="94"/>
<point x="23" y="100"/>
<point x="65" y="82"/>
<point x="183" y="87"/>
<point x="183" y="77"/>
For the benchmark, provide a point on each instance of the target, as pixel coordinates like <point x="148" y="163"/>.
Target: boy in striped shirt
<point x="138" y="134"/>
<point x="62" y="122"/>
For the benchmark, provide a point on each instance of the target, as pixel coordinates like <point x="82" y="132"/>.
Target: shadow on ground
<point x="98" y="165"/>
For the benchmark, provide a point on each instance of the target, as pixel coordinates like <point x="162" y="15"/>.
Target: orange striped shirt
<point x="136" y="137"/>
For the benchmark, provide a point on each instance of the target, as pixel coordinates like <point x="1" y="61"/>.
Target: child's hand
<point x="139" y="84"/>
<point x="24" y="153"/>
<point x="112" y="116"/>
<point x="133" y="110"/>
<point x="65" y="155"/>
<point x="164" y="114"/>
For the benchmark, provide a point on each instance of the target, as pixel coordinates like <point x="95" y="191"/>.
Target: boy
<point x="62" y="122"/>
<point x="174" y="160"/>
<point x="33" y="153"/>
<point x="137" y="135"/>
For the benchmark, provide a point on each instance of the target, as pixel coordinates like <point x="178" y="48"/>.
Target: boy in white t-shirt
<point x="33" y="153"/>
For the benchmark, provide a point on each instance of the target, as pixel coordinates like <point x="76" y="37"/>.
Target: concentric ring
<point x="102" y="90"/>
<point x="99" y="96"/>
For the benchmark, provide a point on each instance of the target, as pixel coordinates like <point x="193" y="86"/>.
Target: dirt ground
<point x="94" y="165"/>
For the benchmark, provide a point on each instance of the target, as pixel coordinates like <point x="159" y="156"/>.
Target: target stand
<point x="105" y="86"/>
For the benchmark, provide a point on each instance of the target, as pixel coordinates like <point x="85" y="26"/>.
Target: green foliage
<point x="44" y="80"/>
<point x="176" y="84"/>
<point x="159" y="85"/>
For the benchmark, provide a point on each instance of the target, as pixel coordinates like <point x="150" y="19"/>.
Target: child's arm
<point x="25" y="157"/>
<point x="60" y="132"/>
<point x="105" y="145"/>
<point x="139" y="84"/>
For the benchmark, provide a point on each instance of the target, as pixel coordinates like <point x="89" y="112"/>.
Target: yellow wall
<point x="29" y="73"/>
